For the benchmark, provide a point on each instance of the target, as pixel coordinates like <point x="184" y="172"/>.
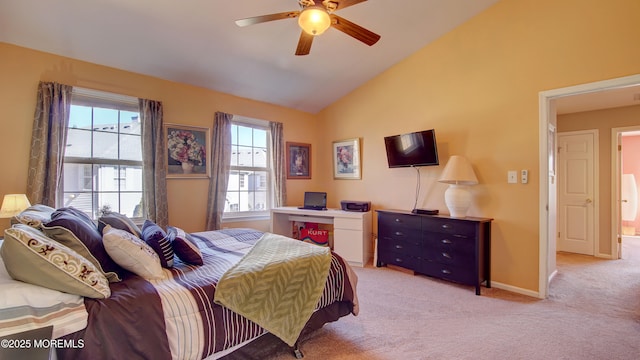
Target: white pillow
<point x="132" y="253"/>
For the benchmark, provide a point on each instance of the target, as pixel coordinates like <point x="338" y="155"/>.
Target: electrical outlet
<point x="524" y="176"/>
<point x="512" y="177"/>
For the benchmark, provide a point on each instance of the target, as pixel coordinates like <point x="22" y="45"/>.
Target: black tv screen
<point x="412" y="149"/>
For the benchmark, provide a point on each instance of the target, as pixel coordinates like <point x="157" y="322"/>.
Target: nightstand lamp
<point x="13" y="204"/>
<point x="459" y="175"/>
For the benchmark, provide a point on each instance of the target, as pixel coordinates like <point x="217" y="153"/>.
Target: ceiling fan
<point x="314" y="18"/>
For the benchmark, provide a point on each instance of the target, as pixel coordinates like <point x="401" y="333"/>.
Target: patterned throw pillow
<point x="132" y="253"/>
<point x="184" y="246"/>
<point x="35" y="215"/>
<point x="77" y="234"/>
<point x="118" y="221"/>
<point x="31" y="257"/>
<point x="153" y="235"/>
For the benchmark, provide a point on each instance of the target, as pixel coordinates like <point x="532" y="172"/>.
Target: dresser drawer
<point x="448" y="242"/>
<point x="393" y="258"/>
<point x="399" y="221"/>
<point x="462" y="275"/>
<point x="463" y="259"/>
<point x="400" y="245"/>
<point x="450" y="226"/>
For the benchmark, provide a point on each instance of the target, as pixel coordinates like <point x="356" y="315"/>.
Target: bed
<point x="175" y="316"/>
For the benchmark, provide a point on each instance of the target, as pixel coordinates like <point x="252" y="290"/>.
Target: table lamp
<point x="13" y="204"/>
<point x="458" y="174"/>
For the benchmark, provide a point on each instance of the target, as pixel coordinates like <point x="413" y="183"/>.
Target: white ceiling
<point x="197" y="42"/>
<point x="603" y="99"/>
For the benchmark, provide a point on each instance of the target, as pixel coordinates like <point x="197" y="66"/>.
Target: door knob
<point x="589" y="201"/>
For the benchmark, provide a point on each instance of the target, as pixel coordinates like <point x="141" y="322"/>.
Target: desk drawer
<point x="347" y="224"/>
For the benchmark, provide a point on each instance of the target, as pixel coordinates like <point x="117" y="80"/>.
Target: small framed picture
<point x="346" y="159"/>
<point x="187" y="151"/>
<point x="298" y="161"/>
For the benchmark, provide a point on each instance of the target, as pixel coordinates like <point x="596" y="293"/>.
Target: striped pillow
<point x="155" y="237"/>
<point x="184" y="246"/>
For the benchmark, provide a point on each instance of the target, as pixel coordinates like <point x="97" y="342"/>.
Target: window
<point x="103" y="157"/>
<point x="248" y="193"/>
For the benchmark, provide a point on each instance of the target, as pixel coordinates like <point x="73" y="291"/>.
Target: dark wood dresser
<point x="454" y="249"/>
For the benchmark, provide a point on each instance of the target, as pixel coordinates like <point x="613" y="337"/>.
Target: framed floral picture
<point x="187" y="151"/>
<point x="298" y="161"/>
<point x="346" y="159"/>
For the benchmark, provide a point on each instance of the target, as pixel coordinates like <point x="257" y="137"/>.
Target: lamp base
<point x="458" y="200"/>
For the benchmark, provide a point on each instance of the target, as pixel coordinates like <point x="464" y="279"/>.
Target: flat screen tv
<point x="412" y="149"/>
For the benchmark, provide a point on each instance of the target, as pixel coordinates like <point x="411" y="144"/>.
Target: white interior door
<point x="576" y="192"/>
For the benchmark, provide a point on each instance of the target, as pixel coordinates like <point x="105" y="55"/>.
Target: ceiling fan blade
<point x="346" y="3"/>
<point x="265" y="18"/>
<point x="304" y="44"/>
<point x="354" y="30"/>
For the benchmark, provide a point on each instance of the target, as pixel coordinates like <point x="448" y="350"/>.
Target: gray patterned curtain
<point x="220" y="165"/>
<point x="279" y="177"/>
<point x="48" y="142"/>
<point x="154" y="170"/>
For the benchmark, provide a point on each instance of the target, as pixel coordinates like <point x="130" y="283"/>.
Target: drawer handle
<point x="398" y="260"/>
<point x="399" y="233"/>
<point x="446" y="241"/>
<point x="399" y="247"/>
<point x="446" y="255"/>
<point x="445" y="271"/>
<point x="446" y="226"/>
<point x="397" y="220"/>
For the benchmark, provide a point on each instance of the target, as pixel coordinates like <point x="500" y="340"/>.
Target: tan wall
<point x="603" y="121"/>
<point x="21" y="69"/>
<point x="478" y="86"/>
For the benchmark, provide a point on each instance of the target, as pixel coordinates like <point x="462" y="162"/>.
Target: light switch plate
<point x="512" y="177"/>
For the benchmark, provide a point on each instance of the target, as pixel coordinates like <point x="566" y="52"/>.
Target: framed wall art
<point x="346" y="159"/>
<point x="187" y="151"/>
<point x="298" y="159"/>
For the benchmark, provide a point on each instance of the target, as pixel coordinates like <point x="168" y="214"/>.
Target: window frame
<point x="262" y="214"/>
<point x="121" y="103"/>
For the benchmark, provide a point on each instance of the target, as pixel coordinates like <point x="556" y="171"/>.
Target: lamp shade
<point x="13" y="204"/>
<point x="458" y="171"/>
<point x="314" y="20"/>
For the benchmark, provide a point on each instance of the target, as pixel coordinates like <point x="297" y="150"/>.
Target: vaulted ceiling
<point x="197" y="41"/>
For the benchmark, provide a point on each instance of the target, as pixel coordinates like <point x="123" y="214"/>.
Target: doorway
<point x="577" y="192"/>
<point x="625" y="144"/>
<point x="547" y="116"/>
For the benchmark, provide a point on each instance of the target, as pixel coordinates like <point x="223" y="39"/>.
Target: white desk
<point x="351" y="230"/>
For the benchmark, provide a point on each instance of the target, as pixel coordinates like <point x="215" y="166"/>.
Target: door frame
<point x="596" y="184"/>
<point x="547" y="115"/>
<point x="616" y="190"/>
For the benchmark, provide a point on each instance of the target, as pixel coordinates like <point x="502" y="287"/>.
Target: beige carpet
<point x="593" y="312"/>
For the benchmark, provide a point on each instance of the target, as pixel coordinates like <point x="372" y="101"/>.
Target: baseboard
<point x="515" y="289"/>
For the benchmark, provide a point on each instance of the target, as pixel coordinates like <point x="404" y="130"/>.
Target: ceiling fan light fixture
<point x="314" y="20"/>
